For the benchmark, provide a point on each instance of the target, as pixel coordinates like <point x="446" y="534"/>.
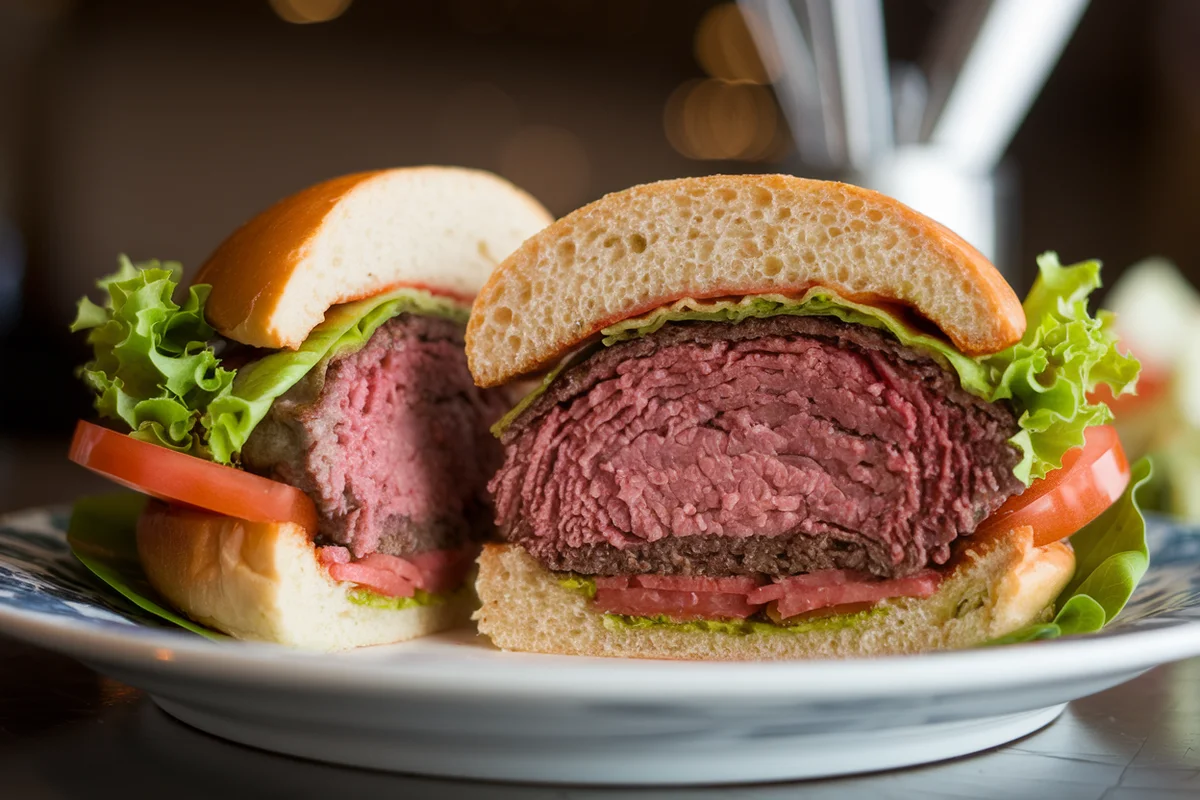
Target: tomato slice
<point x="1091" y="479"/>
<point x="183" y="479"/>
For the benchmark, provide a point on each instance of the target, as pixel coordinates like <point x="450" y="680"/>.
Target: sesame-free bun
<point x="730" y="235"/>
<point x="436" y="228"/>
<point x="262" y="581"/>
<point x="994" y="586"/>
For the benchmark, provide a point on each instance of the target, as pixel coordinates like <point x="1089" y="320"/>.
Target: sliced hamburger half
<point x="303" y="415"/>
<point x="784" y="418"/>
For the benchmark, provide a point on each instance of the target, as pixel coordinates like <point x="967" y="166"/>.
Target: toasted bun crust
<point x="995" y="586"/>
<point x="262" y="581"/>
<point x="729" y="235"/>
<point x="437" y="228"/>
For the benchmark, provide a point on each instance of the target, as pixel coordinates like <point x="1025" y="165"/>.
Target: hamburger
<point x="303" y="417"/>
<point x="784" y="418"/>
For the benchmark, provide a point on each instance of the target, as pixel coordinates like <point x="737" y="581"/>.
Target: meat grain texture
<point x="774" y="446"/>
<point x="391" y="442"/>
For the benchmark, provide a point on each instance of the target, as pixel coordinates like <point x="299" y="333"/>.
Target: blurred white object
<point x="779" y="37"/>
<point x="925" y="178"/>
<point x="866" y="90"/>
<point x="1158" y="318"/>
<point x="952" y="177"/>
<point x="1017" y="45"/>
<point x="1186" y="387"/>
<point x="1157" y="311"/>
<point x="1175" y="422"/>
<point x="992" y="67"/>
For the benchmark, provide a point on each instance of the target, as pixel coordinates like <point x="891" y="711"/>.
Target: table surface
<point x="67" y="732"/>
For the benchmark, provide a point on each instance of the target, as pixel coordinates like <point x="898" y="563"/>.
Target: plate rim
<point x="183" y="655"/>
<point x="1010" y="667"/>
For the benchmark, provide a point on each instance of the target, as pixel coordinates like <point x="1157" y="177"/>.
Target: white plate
<point x="451" y="705"/>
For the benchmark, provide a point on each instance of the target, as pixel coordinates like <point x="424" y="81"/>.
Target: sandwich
<point x="302" y="415"/>
<point x="785" y="418"/>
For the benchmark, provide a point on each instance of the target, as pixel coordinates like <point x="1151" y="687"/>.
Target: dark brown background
<point x="154" y="128"/>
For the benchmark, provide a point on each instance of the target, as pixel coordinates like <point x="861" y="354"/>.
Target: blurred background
<point x="155" y="128"/>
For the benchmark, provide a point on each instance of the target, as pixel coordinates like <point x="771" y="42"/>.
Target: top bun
<point x="730" y="235"/>
<point x="442" y="229"/>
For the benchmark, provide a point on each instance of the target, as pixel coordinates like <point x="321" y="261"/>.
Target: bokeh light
<point x="731" y="114"/>
<point x="719" y="119"/>
<point x="725" y="49"/>
<point x="303" y="12"/>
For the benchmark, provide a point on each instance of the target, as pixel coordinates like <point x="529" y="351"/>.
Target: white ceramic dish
<point x="451" y="705"/>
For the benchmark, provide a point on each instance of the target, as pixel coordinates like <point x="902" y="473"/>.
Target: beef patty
<point x="391" y="442"/>
<point x="778" y="446"/>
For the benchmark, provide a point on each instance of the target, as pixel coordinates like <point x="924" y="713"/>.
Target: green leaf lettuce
<point x="101" y="535"/>
<point x="152" y="367"/>
<point x="155" y="365"/>
<point x="231" y="418"/>
<point x="1110" y="559"/>
<point x="1064" y="354"/>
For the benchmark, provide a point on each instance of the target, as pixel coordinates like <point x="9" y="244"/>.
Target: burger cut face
<point x="772" y="399"/>
<point x="390" y="442"/>
<point x="768" y="448"/>
<point x="321" y="347"/>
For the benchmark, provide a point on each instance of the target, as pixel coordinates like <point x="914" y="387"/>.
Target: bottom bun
<point x="262" y="581"/>
<point x="993" y="587"/>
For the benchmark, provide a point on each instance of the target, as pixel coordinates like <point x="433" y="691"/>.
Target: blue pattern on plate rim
<point x="39" y="574"/>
